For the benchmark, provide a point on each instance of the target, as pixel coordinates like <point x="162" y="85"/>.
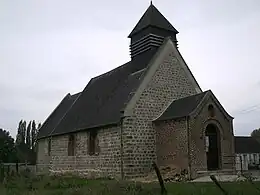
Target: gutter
<point x="189" y="148"/>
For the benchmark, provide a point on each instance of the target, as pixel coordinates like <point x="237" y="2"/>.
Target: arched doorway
<point x="213" y="147"/>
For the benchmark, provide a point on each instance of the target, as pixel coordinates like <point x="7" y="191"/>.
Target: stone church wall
<point x="197" y="126"/>
<point x="105" y="162"/>
<point x="43" y="159"/>
<point x="170" y="82"/>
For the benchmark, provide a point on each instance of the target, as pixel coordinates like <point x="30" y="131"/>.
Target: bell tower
<point x="149" y="34"/>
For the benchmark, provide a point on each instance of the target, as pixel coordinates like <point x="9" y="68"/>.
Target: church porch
<point x="196" y="134"/>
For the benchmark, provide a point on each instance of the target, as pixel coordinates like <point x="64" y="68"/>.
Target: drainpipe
<point x="121" y="148"/>
<point x="188" y="141"/>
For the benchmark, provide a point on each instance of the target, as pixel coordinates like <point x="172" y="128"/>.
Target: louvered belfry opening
<point x="146" y="43"/>
<point x="149" y="34"/>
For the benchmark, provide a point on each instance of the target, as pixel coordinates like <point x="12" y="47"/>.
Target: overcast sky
<point x="51" y="47"/>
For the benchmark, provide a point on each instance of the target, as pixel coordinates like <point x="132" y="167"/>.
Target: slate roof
<point x="182" y="107"/>
<point x="246" y="145"/>
<point x="100" y="104"/>
<point x="152" y="17"/>
<point x="103" y="99"/>
<point x="51" y="122"/>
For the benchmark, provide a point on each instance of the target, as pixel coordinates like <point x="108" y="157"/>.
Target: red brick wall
<point x="171" y="144"/>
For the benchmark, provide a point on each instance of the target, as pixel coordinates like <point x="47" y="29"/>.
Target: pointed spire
<point x="152" y="17"/>
<point x="151" y="2"/>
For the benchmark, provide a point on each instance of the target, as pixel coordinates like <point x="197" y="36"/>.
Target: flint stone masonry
<point x="172" y="139"/>
<point x="198" y="123"/>
<point x="106" y="161"/>
<point x="170" y="82"/>
<point x="43" y="160"/>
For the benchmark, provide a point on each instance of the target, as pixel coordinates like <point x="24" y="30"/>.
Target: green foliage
<point x="23" y="131"/>
<point x="19" y="133"/>
<point x="28" y="135"/>
<point x="23" y="148"/>
<point x="39" y="126"/>
<point x="7" y="147"/>
<point x="256" y="134"/>
<point x="33" y="135"/>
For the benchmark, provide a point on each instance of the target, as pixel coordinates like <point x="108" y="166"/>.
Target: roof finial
<point x="151" y="2"/>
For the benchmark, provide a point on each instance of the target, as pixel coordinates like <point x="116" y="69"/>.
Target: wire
<point x="249" y="109"/>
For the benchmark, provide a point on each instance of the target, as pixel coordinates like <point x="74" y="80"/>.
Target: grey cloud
<point x="51" y="48"/>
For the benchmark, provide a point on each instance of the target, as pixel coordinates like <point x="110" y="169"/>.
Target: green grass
<point x="76" y="186"/>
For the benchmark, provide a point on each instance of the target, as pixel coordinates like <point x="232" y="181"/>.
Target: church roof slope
<point x="102" y="100"/>
<point x="50" y="123"/>
<point x="153" y="17"/>
<point x="245" y="144"/>
<point x="182" y="107"/>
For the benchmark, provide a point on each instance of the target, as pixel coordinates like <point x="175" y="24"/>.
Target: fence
<point x="16" y="168"/>
<point x="242" y="166"/>
<point x="8" y="168"/>
<point x="245" y="162"/>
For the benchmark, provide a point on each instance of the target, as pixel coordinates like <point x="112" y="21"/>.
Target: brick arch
<point x="219" y="130"/>
<point x="212" y="122"/>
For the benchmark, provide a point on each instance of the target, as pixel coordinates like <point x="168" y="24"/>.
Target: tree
<point x="19" y="133"/>
<point x="256" y="134"/>
<point x="28" y="135"/>
<point x="23" y="133"/>
<point x="26" y="139"/>
<point x="33" y="135"/>
<point x="39" y="126"/>
<point x="7" y="147"/>
<point x="22" y="149"/>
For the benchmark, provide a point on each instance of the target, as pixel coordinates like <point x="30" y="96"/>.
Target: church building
<point x="150" y="109"/>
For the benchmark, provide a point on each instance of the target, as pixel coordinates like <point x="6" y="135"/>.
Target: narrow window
<point x="49" y="146"/>
<point x="255" y="159"/>
<point x="92" y="142"/>
<point x="71" y="145"/>
<point x="211" y="110"/>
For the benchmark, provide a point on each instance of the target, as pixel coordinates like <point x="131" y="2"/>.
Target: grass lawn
<point x="75" y="186"/>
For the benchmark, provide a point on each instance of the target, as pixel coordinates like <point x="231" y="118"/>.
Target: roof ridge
<point x="75" y="94"/>
<point x="136" y="72"/>
<point x="50" y="134"/>
<point x="52" y="113"/>
<point x="241" y="136"/>
<point x="190" y="104"/>
<point x="190" y="96"/>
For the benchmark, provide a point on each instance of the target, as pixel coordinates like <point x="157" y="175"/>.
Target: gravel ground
<point x="224" y="178"/>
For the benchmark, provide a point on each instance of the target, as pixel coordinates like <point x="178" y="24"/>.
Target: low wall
<point x="11" y="168"/>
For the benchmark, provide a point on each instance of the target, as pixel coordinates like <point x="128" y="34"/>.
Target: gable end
<point x="167" y="49"/>
<point x="208" y="95"/>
